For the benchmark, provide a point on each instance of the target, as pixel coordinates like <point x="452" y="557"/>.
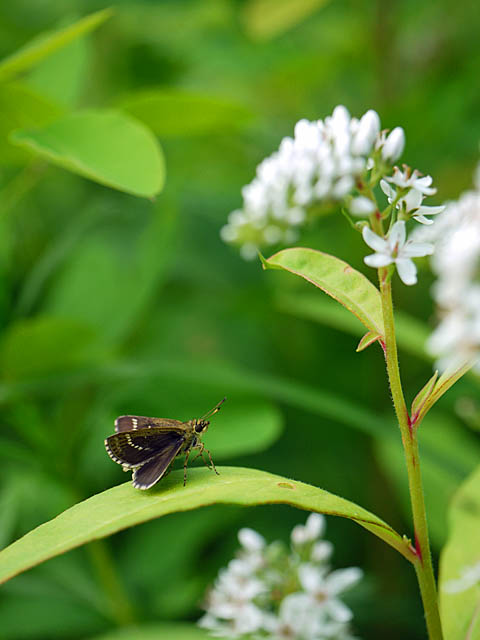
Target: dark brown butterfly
<point x="148" y="446"/>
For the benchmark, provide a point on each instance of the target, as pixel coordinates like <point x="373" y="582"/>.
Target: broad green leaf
<point x="337" y="278"/>
<point x="266" y="19"/>
<point x="45" y="44"/>
<point x="168" y="631"/>
<point x="21" y="106"/>
<point x="178" y="112"/>
<point x="369" y="338"/>
<point x="106" y="146"/>
<point x="123" y="506"/>
<point x="45" y="345"/>
<point x="459" y="587"/>
<point x="422" y="397"/>
<point x="411" y="333"/>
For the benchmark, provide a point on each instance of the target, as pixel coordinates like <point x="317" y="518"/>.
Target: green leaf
<point x="266" y="19"/>
<point x="369" y="338"/>
<point x="170" y="631"/>
<point x="337" y="278"/>
<point x="177" y="112"/>
<point x="106" y="146"/>
<point x="45" y="345"/>
<point x="123" y="506"/>
<point x="45" y="44"/>
<point x="21" y="107"/>
<point x="443" y="384"/>
<point x="459" y="596"/>
<point x="422" y="397"/>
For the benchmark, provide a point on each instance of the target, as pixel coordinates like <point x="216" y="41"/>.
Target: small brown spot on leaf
<point x="347" y="269"/>
<point x="285" y="485"/>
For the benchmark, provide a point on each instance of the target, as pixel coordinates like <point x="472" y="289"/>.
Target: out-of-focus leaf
<point x="123" y="506"/>
<point x="244" y="427"/>
<point x="107" y="146"/>
<point x="45" y="345"/>
<point x="337" y="278"/>
<point x="61" y="75"/>
<point x="266" y="19"/>
<point x="170" y="631"/>
<point x="178" y="112"/>
<point x="45" y="44"/>
<point x="459" y="588"/>
<point x="98" y="266"/>
<point x="20" y="107"/>
<point x="448" y="454"/>
<point x="411" y="333"/>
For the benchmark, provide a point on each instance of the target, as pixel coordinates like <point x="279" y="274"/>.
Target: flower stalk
<point x="423" y="562"/>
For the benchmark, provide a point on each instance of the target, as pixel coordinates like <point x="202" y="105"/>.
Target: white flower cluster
<point x="470" y="577"/>
<point x="270" y="592"/>
<point x="320" y="164"/>
<point x="456" y="263"/>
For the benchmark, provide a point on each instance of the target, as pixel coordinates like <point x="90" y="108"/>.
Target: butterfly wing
<point x="134" y="448"/>
<point x="134" y="423"/>
<point x="150" y="473"/>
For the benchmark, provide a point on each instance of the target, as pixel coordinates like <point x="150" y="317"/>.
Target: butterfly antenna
<point x="216" y="408"/>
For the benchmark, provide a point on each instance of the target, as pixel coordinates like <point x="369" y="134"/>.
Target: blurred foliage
<point x="115" y="304"/>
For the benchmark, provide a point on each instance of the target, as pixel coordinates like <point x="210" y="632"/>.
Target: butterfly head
<point x="201" y="426"/>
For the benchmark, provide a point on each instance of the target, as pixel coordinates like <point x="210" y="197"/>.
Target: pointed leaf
<point x="106" y="146"/>
<point x="123" y="506"/>
<point x="45" y="44"/>
<point x="459" y="585"/>
<point x="369" y="338"/>
<point x="443" y="384"/>
<point x="338" y="279"/>
<point x="422" y="396"/>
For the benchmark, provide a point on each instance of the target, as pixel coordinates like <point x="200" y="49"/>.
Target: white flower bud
<point x="251" y="540"/>
<point x="362" y="206"/>
<point x="368" y="129"/>
<point x="394" y="145"/>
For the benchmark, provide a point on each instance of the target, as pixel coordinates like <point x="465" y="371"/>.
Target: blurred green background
<point x="112" y="303"/>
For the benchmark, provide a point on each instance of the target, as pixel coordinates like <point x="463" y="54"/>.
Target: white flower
<point x="411" y="202"/>
<point x="456" y="263"/>
<point x="362" y="206"/>
<point x="313" y="529"/>
<point x="251" y="540"/>
<point x="321" y="551"/>
<point x="297" y="618"/>
<point x="394" y="145"/>
<point x="396" y="249"/>
<point x="322" y="589"/>
<point x="408" y="179"/>
<point x="319" y="165"/>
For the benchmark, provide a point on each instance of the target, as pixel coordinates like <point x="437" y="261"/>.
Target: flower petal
<point x="377" y="260"/>
<point x="406" y="270"/>
<point x="374" y="242"/>
<point x="397" y="235"/>
<point x="342" y="579"/>
<point x="417" y="250"/>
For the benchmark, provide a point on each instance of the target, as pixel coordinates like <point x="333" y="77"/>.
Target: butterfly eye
<point x="201" y="426"/>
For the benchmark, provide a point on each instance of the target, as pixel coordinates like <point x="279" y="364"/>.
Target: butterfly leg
<point x="211" y="461"/>
<point x="185" y="467"/>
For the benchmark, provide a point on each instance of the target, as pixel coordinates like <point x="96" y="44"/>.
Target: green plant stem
<point x="423" y="561"/>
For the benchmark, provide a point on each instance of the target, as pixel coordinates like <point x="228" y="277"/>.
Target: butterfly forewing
<point x="133" y="423"/>
<point x="134" y="448"/>
<point x="150" y="473"/>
